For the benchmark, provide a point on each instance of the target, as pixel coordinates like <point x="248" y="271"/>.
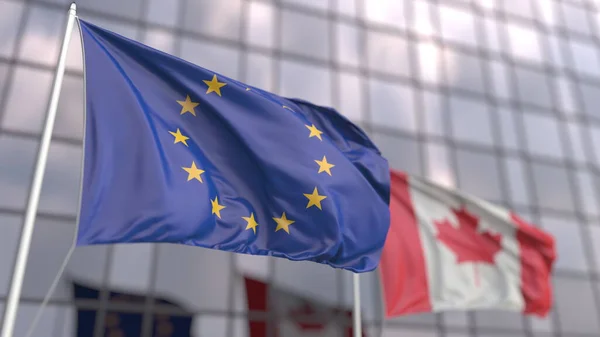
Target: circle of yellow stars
<point x="195" y="173"/>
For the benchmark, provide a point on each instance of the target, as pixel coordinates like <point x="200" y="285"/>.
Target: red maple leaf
<point x="466" y="242"/>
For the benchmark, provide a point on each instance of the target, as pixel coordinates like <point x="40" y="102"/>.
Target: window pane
<point x="60" y="192"/>
<point x="316" y="4"/>
<point x="371" y="301"/>
<point x="10" y="226"/>
<point x="478" y="174"/>
<point x="457" y="25"/>
<point x="587" y="185"/>
<point x="470" y="120"/>
<point x="210" y="325"/>
<point x="260" y="24"/>
<point x="3" y="77"/>
<point x="552" y="187"/>
<point x="350" y="100"/>
<point x="591" y="99"/>
<point x="259" y="71"/>
<point x="50" y="244"/>
<point x="542" y="135"/>
<point x="130" y="267"/>
<point x="27" y="99"/>
<point x="160" y="39"/>
<point x="401" y="153"/>
<point x="433" y="114"/>
<point x="163" y="12"/>
<point x="499" y="319"/>
<point x="388" y="12"/>
<point x="392" y="105"/>
<point x="51" y="323"/>
<point x="223" y="60"/>
<point x="306" y="81"/>
<point x="573" y="298"/>
<point x="182" y="275"/>
<point x="498" y="73"/>
<point x="69" y="117"/>
<point x="388" y="54"/>
<point x="524" y="43"/>
<point x="557" y="44"/>
<point x="10" y="16"/>
<point x="16" y="173"/>
<point x="219" y="18"/>
<point x="517" y="187"/>
<point x="464" y="71"/>
<point x="493" y="40"/>
<point x="508" y="128"/>
<point x="429" y="58"/>
<point x="455" y="318"/>
<point x="305" y="35"/>
<point x="575" y="18"/>
<point x="569" y="245"/>
<point x="533" y="87"/>
<point x="594" y="232"/>
<point x="585" y="58"/>
<point x="422" y="21"/>
<point x="131" y="9"/>
<point x="438" y="165"/>
<point x="521" y="8"/>
<point x="578" y="151"/>
<point x="347" y="44"/>
<point x="565" y="95"/>
<point x="41" y="38"/>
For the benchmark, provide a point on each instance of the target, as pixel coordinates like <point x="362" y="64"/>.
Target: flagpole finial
<point x="73" y="8"/>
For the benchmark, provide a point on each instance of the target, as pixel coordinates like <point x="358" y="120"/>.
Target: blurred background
<point x="498" y="98"/>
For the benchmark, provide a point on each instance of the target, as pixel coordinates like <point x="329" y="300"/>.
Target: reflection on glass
<point x="401" y="153"/>
<point x="573" y="298"/>
<point x="457" y="25"/>
<point x="478" y="174"/>
<point x="40" y="41"/>
<point x="388" y="54"/>
<point x="217" y="58"/>
<point x="471" y="120"/>
<point x="518" y="189"/>
<point x="464" y="71"/>
<point x="130" y="267"/>
<point x="60" y="193"/>
<point x="521" y="8"/>
<point x="350" y="103"/>
<point x="591" y="99"/>
<point x="10" y="226"/>
<point x="392" y="105"/>
<point x="306" y="81"/>
<point x="160" y="39"/>
<point x="10" y="17"/>
<point x="217" y="18"/>
<point x="575" y="18"/>
<point x="524" y="43"/>
<point x="533" y="87"/>
<point x="499" y="78"/>
<point x="433" y="113"/>
<point x="552" y="187"/>
<point x="438" y="165"/>
<point x="347" y="44"/>
<point x="260" y="24"/>
<point x="585" y="57"/>
<point x="130" y="9"/>
<point x="69" y="116"/>
<point x="587" y="184"/>
<point x="16" y="173"/>
<point x="429" y="57"/>
<point x="387" y="12"/>
<point x="259" y="71"/>
<point x="305" y="35"/>
<point x="543" y="135"/>
<point x="163" y="12"/>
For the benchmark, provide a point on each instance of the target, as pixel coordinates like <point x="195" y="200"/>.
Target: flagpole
<point x="16" y="284"/>
<point x="357" y="324"/>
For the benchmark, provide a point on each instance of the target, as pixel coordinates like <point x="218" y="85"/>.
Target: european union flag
<point x="128" y="323"/>
<point x="177" y="153"/>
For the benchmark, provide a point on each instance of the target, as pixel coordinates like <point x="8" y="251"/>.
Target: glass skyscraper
<point x="498" y="98"/>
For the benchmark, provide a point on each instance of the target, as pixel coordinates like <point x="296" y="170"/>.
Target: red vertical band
<point x="402" y="266"/>
<point x="538" y="253"/>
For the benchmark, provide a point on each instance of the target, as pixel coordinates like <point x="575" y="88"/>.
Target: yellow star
<point x="247" y="89"/>
<point x="193" y="172"/>
<point x="314" y="199"/>
<point x="314" y="132"/>
<point x="283" y="223"/>
<point x="188" y="106"/>
<point x="216" y="208"/>
<point x="324" y="166"/>
<point x="251" y="222"/>
<point x="214" y="85"/>
<point x="179" y="138"/>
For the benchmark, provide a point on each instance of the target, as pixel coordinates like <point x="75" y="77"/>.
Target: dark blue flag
<point x="177" y="153"/>
<point x="127" y="323"/>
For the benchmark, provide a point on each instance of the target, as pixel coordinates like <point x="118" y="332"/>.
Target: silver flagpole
<point x="357" y="324"/>
<point x="16" y="284"/>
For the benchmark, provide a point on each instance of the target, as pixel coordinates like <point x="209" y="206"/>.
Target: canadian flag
<point x="298" y="316"/>
<point x="450" y="251"/>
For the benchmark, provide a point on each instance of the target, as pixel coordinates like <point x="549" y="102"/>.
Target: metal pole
<point x="357" y="326"/>
<point x="10" y="313"/>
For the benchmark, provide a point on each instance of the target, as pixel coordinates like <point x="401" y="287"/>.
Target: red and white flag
<point x="449" y="251"/>
<point x="297" y="316"/>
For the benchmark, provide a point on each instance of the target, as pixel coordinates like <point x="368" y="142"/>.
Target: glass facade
<point x="498" y="98"/>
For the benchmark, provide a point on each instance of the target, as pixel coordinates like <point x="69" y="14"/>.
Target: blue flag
<point x="128" y="323"/>
<point x="177" y="153"/>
